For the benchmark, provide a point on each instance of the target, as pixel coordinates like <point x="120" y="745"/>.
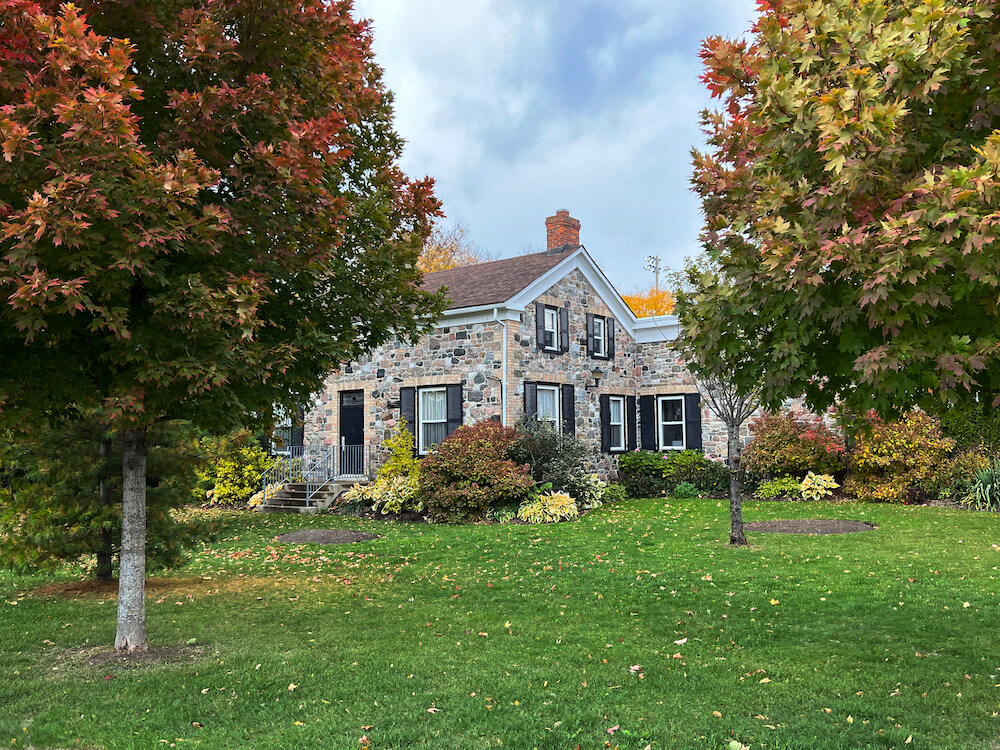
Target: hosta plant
<point x="548" y="508"/>
<point x="817" y="486"/>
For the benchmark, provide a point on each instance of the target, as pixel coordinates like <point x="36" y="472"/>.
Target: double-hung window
<point x="616" y="421"/>
<point x="551" y="327"/>
<point x="670" y="422"/>
<point x="548" y="405"/>
<point x="600" y="337"/>
<point x="432" y="417"/>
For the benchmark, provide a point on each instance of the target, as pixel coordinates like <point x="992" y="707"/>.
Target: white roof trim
<point x="643" y="330"/>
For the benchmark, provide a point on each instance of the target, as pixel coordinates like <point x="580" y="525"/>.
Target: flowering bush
<point x="783" y="446"/>
<point x="548" y="508"/>
<point x="471" y="470"/>
<point x="817" y="486"/>
<point x="891" y="461"/>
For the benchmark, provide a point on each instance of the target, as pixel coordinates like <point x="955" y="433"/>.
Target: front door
<point x="352" y="433"/>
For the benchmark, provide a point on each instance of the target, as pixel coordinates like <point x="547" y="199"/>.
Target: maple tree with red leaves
<point x="851" y="188"/>
<point x="197" y="223"/>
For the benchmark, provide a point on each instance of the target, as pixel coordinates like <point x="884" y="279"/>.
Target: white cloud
<point x="481" y="97"/>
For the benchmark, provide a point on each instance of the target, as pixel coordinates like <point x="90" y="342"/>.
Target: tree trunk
<point x="106" y="551"/>
<point x="131" y="634"/>
<point x="736" y="535"/>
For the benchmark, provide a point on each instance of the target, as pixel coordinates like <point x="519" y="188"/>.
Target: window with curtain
<point x="616" y="420"/>
<point x="548" y="405"/>
<point x="432" y="417"/>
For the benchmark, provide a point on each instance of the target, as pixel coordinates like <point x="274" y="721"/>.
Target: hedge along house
<point x="543" y="334"/>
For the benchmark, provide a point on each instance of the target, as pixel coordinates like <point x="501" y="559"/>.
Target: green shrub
<point x="973" y="425"/>
<point x="953" y="477"/>
<point x="471" y="470"/>
<point x="552" y="457"/>
<point x="984" y="494"/>
<point x="651" y="473"/>
<point x="614" y="493"/>
<point x="685" y="490"/>
<point x="770" y="489"/>
<point x="818" y="486"/>
<point x="548" y="507"/>
<point x="896" y="461"/>
<point x="783" y="446"/>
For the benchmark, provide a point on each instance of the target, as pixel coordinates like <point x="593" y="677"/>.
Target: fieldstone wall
<point x="472" y="355"/>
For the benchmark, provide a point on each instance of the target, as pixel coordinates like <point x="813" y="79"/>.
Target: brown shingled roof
<point x="492" y="282"/>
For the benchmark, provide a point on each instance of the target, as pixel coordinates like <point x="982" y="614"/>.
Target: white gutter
<point x="503" y="381"/>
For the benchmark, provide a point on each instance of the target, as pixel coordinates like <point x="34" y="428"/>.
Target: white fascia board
<point x="656" y="329"/>
<point x="581" y="261"/>
<point x="466" y="316"/>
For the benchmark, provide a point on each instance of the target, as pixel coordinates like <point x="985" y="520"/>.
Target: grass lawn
<point x="635" y="626"/>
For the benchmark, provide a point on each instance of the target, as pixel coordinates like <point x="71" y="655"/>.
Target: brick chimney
<point x="562" y="232"/>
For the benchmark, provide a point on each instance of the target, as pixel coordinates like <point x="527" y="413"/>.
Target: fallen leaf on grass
<point x="615" y="728"/>
<point x="717" y="714"/>
<point x="433" y="710"/>
<point x="850" y="719"/>
<point x="292" y="686"/>
<point x="681" y="642"/>
<point x="635" y="668"/>
<point x="765" y="680"/>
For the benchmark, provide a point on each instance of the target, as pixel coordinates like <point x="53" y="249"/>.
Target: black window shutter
<point x="630" y="423"/>
<point x="692" y="421"/>
<point x="611" y="338"/>
<point x="408" y="411"/>
<point x="540" y="325"/>
<point x="568" y="409"/>
<point x="647" y="420"/>
<point x="591" y="346"/>
<point x="605" y="400"/>
<point x="530" y="399"/>
<point x="563" y="330"/>
<point x="454" y="400"/>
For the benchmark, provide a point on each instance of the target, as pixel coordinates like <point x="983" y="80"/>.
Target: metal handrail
<point x="315" y="466"/>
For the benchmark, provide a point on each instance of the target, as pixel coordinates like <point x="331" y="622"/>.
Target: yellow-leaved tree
<point x="449" y="248"/>
<point x="646" y="304"/>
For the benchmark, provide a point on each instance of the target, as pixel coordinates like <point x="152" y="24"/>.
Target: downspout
<point x="503" y="380"/>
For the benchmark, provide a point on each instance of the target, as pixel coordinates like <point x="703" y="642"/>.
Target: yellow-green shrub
<point x="548" y="508"/>
<point x="233" y="467"/>
<point x="817" y="486"/>
<point x="401" y="461"/>
<point x="890" y="458"/>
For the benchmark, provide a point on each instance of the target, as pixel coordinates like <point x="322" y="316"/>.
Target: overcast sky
<point x="521" y="107"/>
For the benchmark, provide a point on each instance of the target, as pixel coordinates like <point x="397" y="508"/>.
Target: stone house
<point x="543" y="334"/>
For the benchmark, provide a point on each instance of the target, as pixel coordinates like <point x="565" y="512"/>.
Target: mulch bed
<point x="326" y="536"/>
<point x="821" y="526"/>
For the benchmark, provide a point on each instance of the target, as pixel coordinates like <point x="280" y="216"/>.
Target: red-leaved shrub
<point x="783" y="446"/>
<point x="471" y="470"/>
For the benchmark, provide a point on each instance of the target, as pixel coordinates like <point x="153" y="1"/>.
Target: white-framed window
<point x="616" y="420"/>
<point x="670" y="421"/>
<point x="551" y="325"/>
<point x="600" y="337"/>
<point x="432" y="417"/>
<point x="547" y="405"/>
